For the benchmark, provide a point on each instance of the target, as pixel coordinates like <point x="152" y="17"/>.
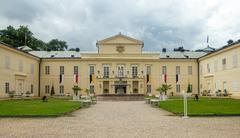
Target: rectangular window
<point x="178" y="89"/>
<point x="91" y="70"/>
<point x="189" y="70"/>
<point x="91" y="89"/>
<point x="148" y="88"/>
<point x="177" y="69"/>
<point x="47" y="89"/>
<point x="190" y="88"/>
<point x="235" y="60"/>
<point x="32" y="68"/>
<point x="224" y="62"/>
<point x="216" y="66"/>
<point x="208" y="68"/>
<point x="20" y="66"/>
<point x="61" y="70"/>
<point x="7" y="87"/>
<point x="31" y="88"/>
<point x="47" y="70"/>
<point x="164" y="69"/>
<point x="148" y="70"/>
<point x="201" y="70"/>
<point x="106" y="71"/>
<point x="75" y="70"/>
<point x="120" y="71"/>
<point x="7" y="62"/>
<point x="134" y="71"/>
<point x="61" y="89"/>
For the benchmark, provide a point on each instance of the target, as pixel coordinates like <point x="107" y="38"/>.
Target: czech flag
<point x="164" y="78"/>
<point x="61" y="77"/>
<point x="75" y="77"/>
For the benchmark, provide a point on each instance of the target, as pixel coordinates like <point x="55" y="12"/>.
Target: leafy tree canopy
<point x="23" y="36"/>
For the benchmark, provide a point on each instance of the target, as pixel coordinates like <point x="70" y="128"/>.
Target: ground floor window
<point x="31" y="88"/>
<point x="148" y="88"/>
<point x="190" y="88"/>
<point x="7" y="88"/>
<point x="178" y="89"/>
<point x="92" y="89"/>
<point x="61" y="89"/>
<point x="47" y="89"/>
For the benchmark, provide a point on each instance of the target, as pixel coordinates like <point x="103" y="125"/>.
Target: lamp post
<point x="185" y="116"/>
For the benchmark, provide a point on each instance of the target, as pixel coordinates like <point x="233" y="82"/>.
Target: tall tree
<point x="57" y="45"/>
<point x="23" y="36"/>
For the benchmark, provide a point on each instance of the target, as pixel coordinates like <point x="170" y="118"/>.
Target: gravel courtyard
<point x="121" y="119"/>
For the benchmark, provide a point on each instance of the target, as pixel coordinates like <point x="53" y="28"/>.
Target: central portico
<point x="119" y="76"/>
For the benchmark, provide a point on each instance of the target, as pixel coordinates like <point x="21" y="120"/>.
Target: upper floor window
<point x="7" y="62"/>
<point x="148" y="70"/>
<point x="120" y="69"/>
<point x="32" y="68"/>
<point x="189" y="70"/>
<point x="164" y="69"/>
<point x="134" y="71"/>
<point x="216" y="66"/>
<point x="61" y="70"/>
<point x="20" y="66"/>
<point x="91" y="70"/>
<point x="177" y="69"/>
<point x="47" y="70"/>
<point x="75" y="70"/>
<point x="224" y="62"/>
<point x="201" y="70"/>
<point x="106" y="71"/>
<point x="208" y="68"/>
<point x="235" y="60"/>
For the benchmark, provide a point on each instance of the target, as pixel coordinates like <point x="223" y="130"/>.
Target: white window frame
<point x="91" y="70"/>
<point x="61" y="70"/>
<point x="164" y="69"/>
<point x="106" y="70"/>
<point x="47" y="70"/>
<point x="148" y="69"/>
<point x="61" y="89"/>
<point x="189" y="70"/>
<point x="75" y="70"/>
<point x="178" y="69"/>
<point x="178" y="88"/>
<point x="134" y="71"/>
<point x="120" y="70"/>
<point x="47" y="89"/>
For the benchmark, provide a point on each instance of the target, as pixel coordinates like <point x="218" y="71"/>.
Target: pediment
<point x="120" y="39"/>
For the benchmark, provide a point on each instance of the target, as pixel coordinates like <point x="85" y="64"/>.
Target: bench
<point x="154" y="102"/>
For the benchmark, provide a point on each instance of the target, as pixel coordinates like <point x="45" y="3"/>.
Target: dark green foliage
<point x="23" y="36"/>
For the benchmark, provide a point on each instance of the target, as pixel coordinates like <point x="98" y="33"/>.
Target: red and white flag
<point x="75" y="77"/>
<point x="164" y="78"/>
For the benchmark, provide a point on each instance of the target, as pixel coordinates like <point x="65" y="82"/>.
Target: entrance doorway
<point x="20" y="87"/>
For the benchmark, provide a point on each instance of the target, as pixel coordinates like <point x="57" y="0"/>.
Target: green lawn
<point x="35" y="107"/>
<point x="205" y="106"/>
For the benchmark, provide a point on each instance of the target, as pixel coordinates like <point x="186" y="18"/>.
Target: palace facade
<point x="119" y="65"/>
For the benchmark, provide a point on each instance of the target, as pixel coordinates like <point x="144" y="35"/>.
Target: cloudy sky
<point x="159" y="23"/>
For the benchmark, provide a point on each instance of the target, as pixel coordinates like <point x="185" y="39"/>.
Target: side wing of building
<point x="18" y="71"/>
<point x="220" y="70"/>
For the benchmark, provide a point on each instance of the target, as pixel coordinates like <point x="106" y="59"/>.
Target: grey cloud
<point x="159" y="23"/>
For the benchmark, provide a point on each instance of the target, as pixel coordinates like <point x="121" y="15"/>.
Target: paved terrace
<point x="121" y="119"/>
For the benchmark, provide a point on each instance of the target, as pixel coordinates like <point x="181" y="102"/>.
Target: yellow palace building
<point x="118" y="66"/>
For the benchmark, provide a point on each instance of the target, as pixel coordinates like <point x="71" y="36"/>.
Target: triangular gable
<point x="119" y="38"/>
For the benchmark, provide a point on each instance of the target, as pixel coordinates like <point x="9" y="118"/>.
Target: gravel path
<point x="121" y="119"/>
